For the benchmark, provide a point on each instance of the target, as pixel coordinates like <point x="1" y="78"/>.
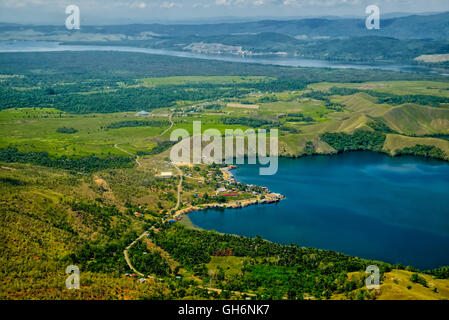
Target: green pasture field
<point x="36" y="130"/>
<point x="434" y="88"/>
<point x="33" y="129"/>
<point x="184" y="80"/>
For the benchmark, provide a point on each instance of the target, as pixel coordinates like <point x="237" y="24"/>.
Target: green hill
<point x="411" y="119"/>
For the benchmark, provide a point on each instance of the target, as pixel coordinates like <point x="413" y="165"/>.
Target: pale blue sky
<point x="135" y="11"/>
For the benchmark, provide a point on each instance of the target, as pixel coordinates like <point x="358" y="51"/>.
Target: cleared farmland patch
<point x="243" y="106"/>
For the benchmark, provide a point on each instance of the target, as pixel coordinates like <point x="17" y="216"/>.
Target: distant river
<point x="363" y="204"/>
<point x="47" y="46"/>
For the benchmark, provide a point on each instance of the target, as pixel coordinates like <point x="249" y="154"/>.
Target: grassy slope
<point x="396" y="285"/>
<point x="395" y="142"/>
<point x="361" y="108"/>
<point x="39" y="229"/>
<point x="34" y="240"/>
<point x="418" y="120"/>
<point x="434" y="88"/>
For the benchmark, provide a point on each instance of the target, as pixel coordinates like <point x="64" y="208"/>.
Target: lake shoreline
<point x="340" y="216"/>
<point x="188" y="223"/>
<point x="361" y="151"/>
<point x="60" y="46"/>
<point x="267" y="198"/>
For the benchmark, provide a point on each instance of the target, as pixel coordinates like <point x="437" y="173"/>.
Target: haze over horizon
<point x="98" y="12"/>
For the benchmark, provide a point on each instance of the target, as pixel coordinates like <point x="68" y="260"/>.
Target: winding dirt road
<point x="125" y="253"/>
<point x="175" y="208"/>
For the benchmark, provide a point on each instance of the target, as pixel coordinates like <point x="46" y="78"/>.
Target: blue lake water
<point x="49" y="46"/>
<point x="363" y="204"/>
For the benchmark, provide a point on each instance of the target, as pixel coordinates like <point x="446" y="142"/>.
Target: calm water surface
<point x="363" y="204"/>
<point x="47" y="46"/>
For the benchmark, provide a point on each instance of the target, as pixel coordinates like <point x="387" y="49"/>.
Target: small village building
<point x="167" y="174"/>
<point x="143" y="113"/>
<point x="221" y="190"/>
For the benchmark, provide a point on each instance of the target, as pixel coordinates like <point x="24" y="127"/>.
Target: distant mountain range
<point x="434" y="26"/>
<point x="401" y="38"/>
<point x="410" y="27"/>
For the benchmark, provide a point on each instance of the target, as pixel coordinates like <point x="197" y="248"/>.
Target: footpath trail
<point x="128" y="153"/>
<point x="171" y="125"/>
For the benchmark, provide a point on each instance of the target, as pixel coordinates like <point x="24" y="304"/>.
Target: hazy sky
<point x="130" y="11"/>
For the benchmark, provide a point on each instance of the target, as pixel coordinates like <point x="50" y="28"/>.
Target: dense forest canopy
<point x="82" y="164"/>
<point x="86" y="82"/>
